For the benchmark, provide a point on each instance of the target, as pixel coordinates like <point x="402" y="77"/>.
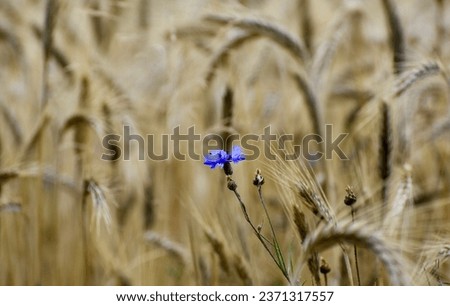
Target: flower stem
<point x="260" y="237"/>
<point x="356" y="253"/>
<point x="280" y="258"/>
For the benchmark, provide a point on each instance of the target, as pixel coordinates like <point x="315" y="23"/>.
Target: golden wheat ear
<point x="261" y="27"/>
<point x="358" y="234"/>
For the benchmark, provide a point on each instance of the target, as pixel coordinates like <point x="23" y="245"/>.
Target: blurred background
<point x="72" y="72"/>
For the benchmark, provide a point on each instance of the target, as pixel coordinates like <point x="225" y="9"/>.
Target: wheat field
<point x="74" y="72"/>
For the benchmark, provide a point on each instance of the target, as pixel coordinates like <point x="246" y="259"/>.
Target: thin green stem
<point x="356" y="253"/>
<point x="259" y="235"/>
<point x="276" y="244"/>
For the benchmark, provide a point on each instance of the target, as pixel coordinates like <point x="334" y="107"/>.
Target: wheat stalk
<point x="220" y="56"/>
<point x="13" y="123"/>
<point x="51" y="14"/>
<point x="385" y="150"/>
<point x="272" y="31"/>
<point x="397" y="37"/>
<point x="312" y="104"/>
<point x="171" y="247"/>
<point x="409" y="78"/>
<point x="304" y="7"/>
<point x="56" y="53"/>
<point x="358" y="234"/>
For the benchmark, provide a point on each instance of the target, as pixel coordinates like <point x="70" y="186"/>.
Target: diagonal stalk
<point x="260" y="236"/>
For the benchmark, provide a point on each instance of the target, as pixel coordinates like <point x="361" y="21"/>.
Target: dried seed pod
<point x="350" y="198"/>
<point x="231" y="184"/>
<point x="324" y="266"/>
<point x="227" y="168"/>
<point x="259" y="179"/>
<point x="259" y="228"/>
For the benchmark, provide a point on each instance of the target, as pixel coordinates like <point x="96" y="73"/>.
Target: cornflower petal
<point x="237" y="155"/>
<point x="216" y="158"/>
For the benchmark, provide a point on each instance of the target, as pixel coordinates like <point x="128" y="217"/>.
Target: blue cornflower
<point x="237" y="155"/>
<point x="216" y="158"/>
<point x="220" y="157"/>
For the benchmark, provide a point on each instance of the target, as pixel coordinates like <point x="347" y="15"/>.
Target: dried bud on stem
<point x="350" y="197"/>
<point x="231" y="184"/>
<point x="227" y="168"/>
<point x="324" y="267"/>
<point x="259" y="179"/>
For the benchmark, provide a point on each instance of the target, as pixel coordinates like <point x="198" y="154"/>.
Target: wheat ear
<point x="397" y="39"/>
<point x="385" y="150"/>
<point x="51" y="13"/>
<point x="269" y="30"/>
<point x="221" y="55"/>
<point x="329" y="235"/>
<point x="409" y="78"/>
